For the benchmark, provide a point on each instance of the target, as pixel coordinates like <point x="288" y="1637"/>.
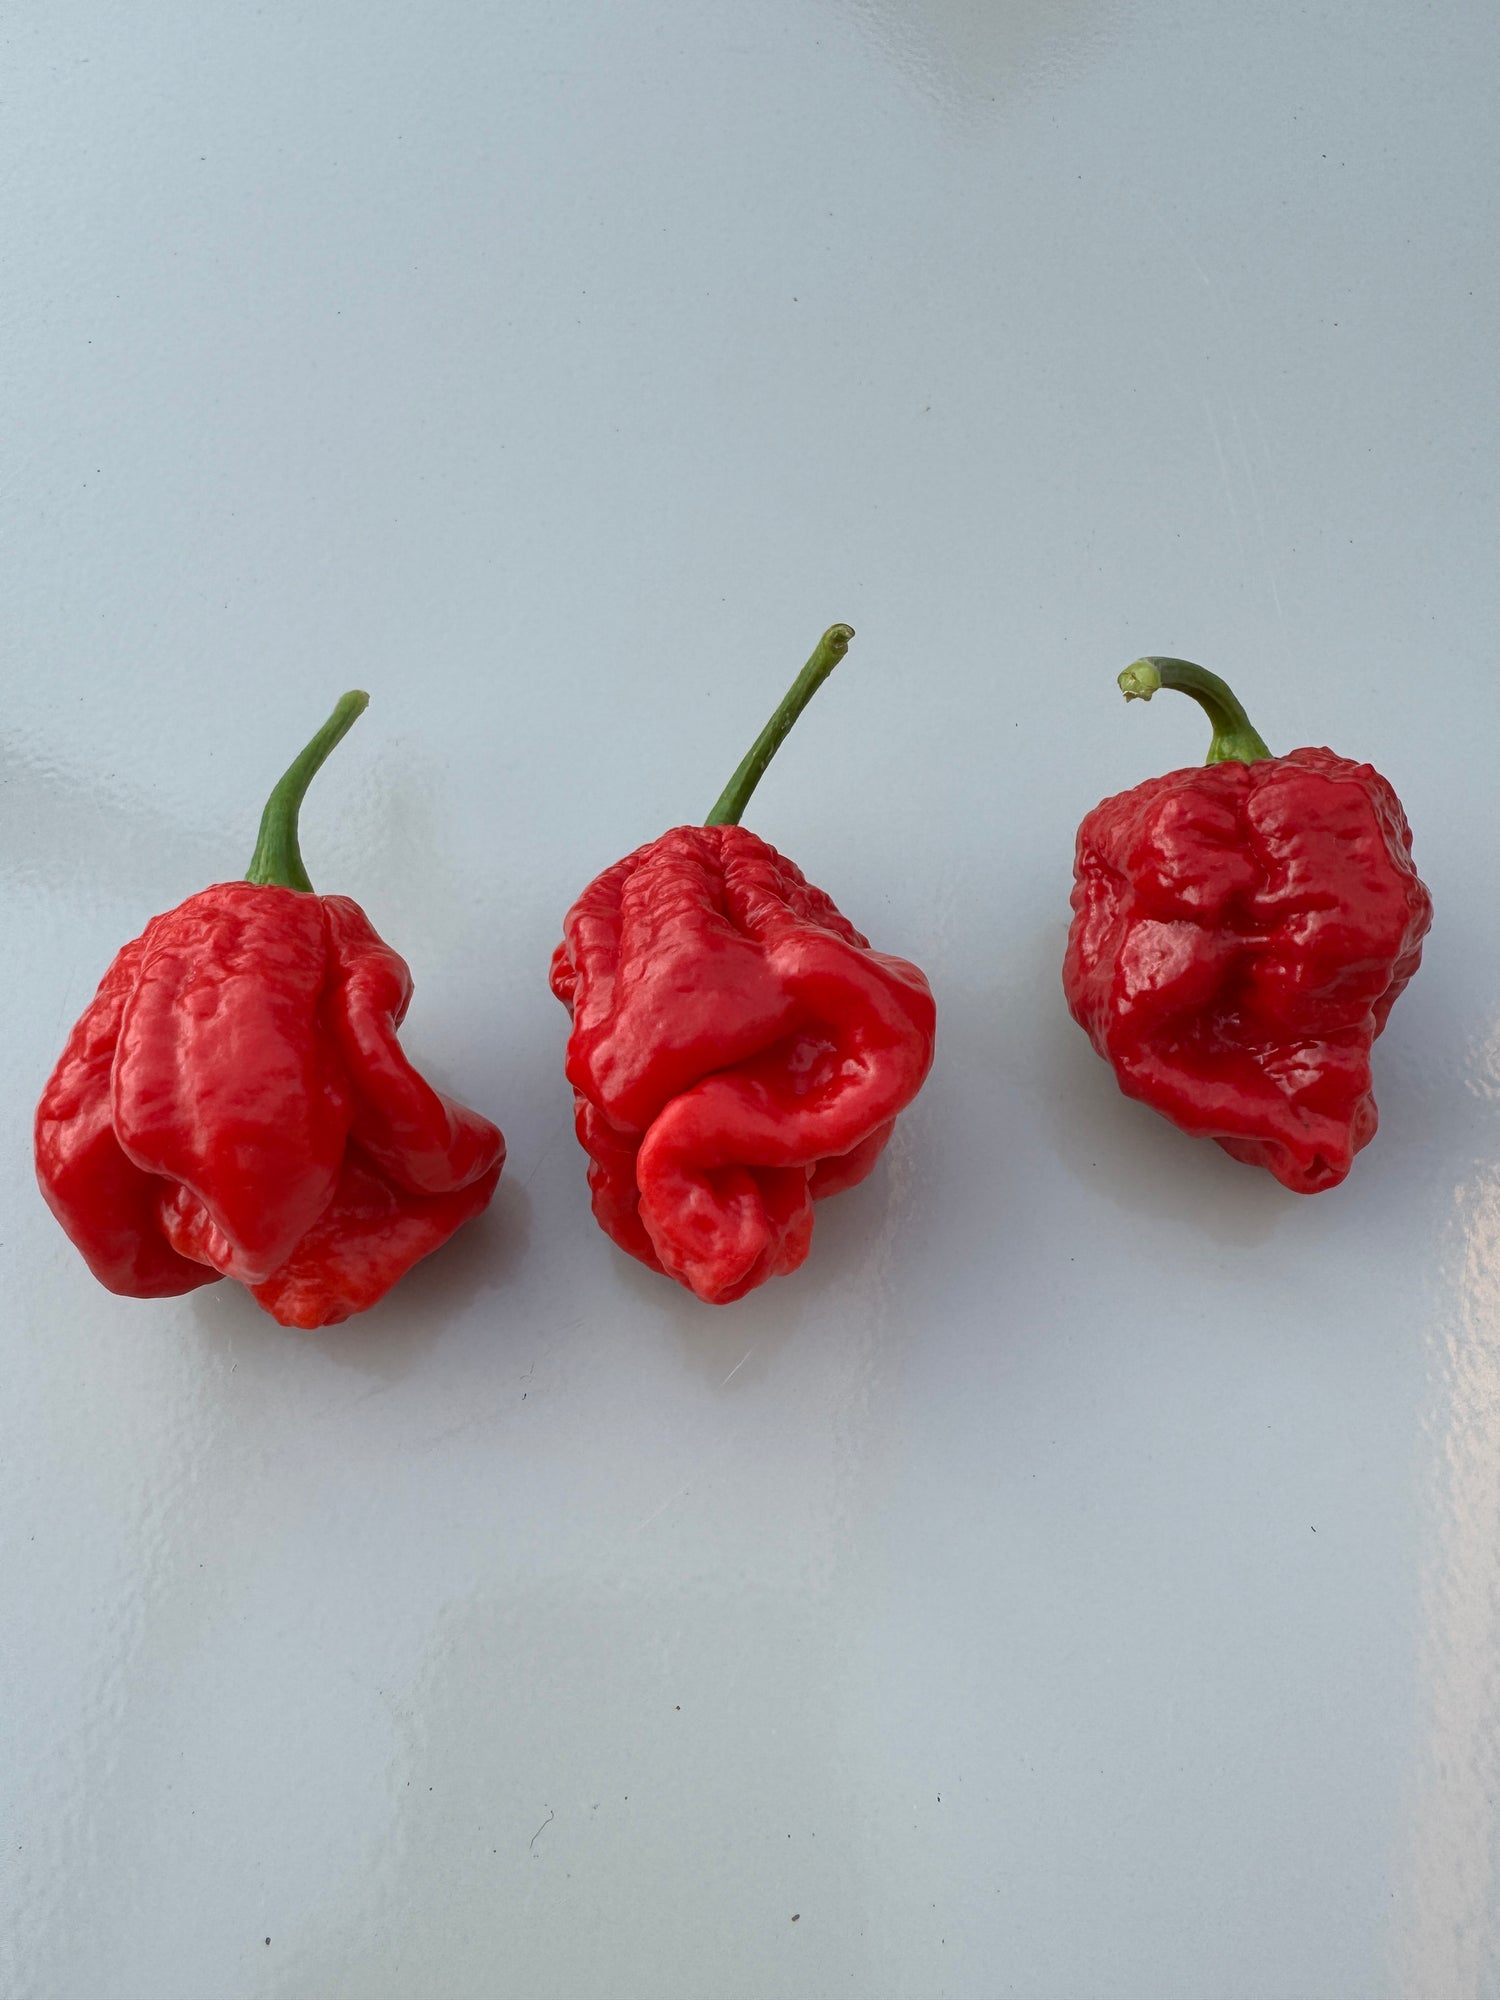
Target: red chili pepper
<point x="1240" y="934"/>
<point x="738" y="1051"/>
<point x="234" y="1102"/>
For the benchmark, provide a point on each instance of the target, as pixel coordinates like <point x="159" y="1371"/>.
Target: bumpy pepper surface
<point x="235" y="1103"/>
<point x="738" y="1051"/>
<point x="1240" y="934"/>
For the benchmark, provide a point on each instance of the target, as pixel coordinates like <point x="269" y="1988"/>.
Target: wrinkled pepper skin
<point x="738" y="1052"/>
<point x="1240" y="934"/>
<point x="235" y="1103"/>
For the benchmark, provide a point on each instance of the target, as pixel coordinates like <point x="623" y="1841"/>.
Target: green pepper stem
<point x="278" y="858"/>
<point x="731" y="803"/>
<point x="1234" y="740"/>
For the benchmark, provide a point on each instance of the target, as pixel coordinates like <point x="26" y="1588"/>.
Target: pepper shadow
<point x="387" y="1342"/>
<point x="856" y="1242"/>
<point x="971" y="58"/>
<point x="91" y="837"/>
<point x="1128" y="1153"/>
<point x="728" y="1347"/>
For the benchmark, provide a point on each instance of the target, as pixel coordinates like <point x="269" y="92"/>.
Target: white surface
<point x="1082" y="1579"/>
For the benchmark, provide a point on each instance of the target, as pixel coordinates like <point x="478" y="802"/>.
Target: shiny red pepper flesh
<point x="1240" y="934"/>
<point x="738" y="1051"/>
<point x="235" y="1102"/>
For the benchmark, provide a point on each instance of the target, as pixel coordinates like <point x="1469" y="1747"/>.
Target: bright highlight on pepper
<point x="1240" y="934"/>
<point x="738" y="1051"/>
<point x="235" y="1103"/>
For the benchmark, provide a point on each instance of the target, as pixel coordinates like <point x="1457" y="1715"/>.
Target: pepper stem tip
<point x="731" y="803"/>
<point x="277" y="860"/>
<point x="1140" y="680"/>
<point x="1235" y="740"/>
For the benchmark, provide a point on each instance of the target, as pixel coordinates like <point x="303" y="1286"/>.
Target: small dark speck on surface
<point x="796" y="1920"/>
<point x="268" y="1940"/>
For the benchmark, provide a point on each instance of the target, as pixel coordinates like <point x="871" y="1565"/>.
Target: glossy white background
<point x="1083" y="1579"/>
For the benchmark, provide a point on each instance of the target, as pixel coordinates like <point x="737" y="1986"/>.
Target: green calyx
<point x="732" y="801"/>
<point x="277" y="859"/>
<point x="1234" y="739"/>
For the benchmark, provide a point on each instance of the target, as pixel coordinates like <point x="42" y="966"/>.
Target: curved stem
<point x="1234" y="740"/>
<point x="277" y="858"/>
<point x="731" y="803"/>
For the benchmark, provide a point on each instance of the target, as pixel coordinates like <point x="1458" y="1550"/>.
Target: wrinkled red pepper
<point x="738" y="1051"/>
<point x="1240" y="934"/>
<point x="234" y="1101"/>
